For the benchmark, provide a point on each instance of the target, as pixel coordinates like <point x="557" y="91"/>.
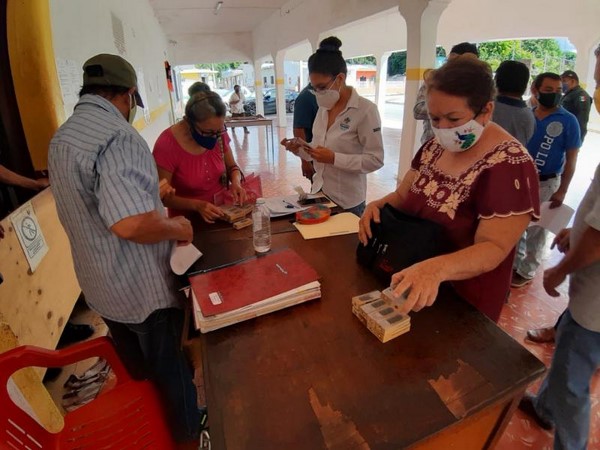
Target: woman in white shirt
<point x="347" y="142"/>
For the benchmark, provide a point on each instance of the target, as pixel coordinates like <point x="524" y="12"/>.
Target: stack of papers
<point x="252" y="288"/>
<point x="288" y="204"/>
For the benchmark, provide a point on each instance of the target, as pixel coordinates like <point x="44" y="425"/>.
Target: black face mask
<point x="549" y="99"/>
<point x="208" y="142"/>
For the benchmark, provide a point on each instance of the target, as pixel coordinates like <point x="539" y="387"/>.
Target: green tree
<point x="219" y="67"/>
<point x="541" y="55"/>
<point x="397" y="63"/>
<point x="367" y="60"/>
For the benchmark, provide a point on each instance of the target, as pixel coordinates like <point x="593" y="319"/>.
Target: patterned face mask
<point x="461" y="138"/>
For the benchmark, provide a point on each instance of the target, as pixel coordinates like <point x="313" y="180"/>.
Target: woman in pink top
<point x="194" y="156"/>
<point x="475" y="180"/>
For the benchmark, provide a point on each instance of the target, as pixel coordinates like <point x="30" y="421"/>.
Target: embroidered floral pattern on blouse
<point x="444" y="192"/>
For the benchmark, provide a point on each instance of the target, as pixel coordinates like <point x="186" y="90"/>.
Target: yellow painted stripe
<point x="279" y="81"/>
<point x="258" y="82"/>
<point x="140" y="124"/>
<point x="34" y="75"/>
<point x="415" y="74"/>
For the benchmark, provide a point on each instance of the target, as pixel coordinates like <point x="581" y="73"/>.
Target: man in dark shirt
<point x="305" y="111"/>
<point x="510" y="111"/>
<point x="576" y="100"/>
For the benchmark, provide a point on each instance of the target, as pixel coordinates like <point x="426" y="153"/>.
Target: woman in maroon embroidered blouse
<point x="473" y="178"/>
<point x="195" y="158"/>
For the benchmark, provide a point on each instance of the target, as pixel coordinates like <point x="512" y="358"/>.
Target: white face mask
<point x="132" y="109"/>
<point x="328" y="98"/>
<point x="461" y="138"/>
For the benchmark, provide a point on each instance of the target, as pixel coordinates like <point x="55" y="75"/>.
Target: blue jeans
<point x="358" y="209"/>
<point x="152" y="350"/>
<point x="564" y="397"/>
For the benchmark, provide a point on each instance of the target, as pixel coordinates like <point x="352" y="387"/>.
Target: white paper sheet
<point x="343" y="223"/>
<point x="183" y="256"/>
<point x="555" y="219"/>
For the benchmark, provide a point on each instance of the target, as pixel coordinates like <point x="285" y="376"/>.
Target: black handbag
<point x="399" y="241"/>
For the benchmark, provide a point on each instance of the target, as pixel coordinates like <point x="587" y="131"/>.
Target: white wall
<point x="84" y="28"/>
<point x="208" y="48"/>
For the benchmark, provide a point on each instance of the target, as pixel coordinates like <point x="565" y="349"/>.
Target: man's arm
<point x="7" y="176"/>
<point x="558" y="197"/>
<point x="152" y="227"/>
<point x="585" y="253"/>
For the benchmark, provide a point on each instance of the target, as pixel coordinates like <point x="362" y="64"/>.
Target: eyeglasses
<point x="209" y="133"/>
<point x="314" y="90"/>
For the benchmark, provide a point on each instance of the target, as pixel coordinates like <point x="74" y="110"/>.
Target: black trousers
<point x="152" y="350"/>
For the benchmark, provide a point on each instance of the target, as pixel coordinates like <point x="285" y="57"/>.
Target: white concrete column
<point x="585" y="62"/>
<point x="280" y="86"/>
<point x="258" y="87"/>
<point x="381" y="82"/>
<point x="422" y="18"/>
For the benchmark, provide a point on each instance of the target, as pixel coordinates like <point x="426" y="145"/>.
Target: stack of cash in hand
<point x="378" y="311"/>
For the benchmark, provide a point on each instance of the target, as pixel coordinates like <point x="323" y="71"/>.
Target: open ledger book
<point x="252" y="288"/>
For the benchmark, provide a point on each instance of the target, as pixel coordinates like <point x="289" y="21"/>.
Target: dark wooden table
<point x="313" y="377"/>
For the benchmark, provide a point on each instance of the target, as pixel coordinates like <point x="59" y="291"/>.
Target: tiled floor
<point x="527" y="308"/>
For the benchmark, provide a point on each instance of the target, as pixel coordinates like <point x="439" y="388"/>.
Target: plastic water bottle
<point x="261" y="227"/>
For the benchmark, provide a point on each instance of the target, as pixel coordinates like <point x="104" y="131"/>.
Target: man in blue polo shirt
<point x="553" y="147"/>
<point x="305" y="111"/>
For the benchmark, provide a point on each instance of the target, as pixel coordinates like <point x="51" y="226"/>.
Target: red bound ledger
<point x="251" y="281"/>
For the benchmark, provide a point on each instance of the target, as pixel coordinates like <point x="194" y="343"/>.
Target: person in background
<point x="198" y="87"/>
<point x="236" y="103"/>
<point x="464" y="48"/>
<point x="576" y="100"/>
<point x="455" y="180"/>
<point x="510" y="111"/>
<point x="563" y="400"/>
<point x="196" y="159"/>
<point x="548" y="334"/>
<point x="305" y="111"/>
<point x="106" y="188"/>
<point x="347" y="142"/>
<point x="420" y="108"/>
<point x="554" y="147"/>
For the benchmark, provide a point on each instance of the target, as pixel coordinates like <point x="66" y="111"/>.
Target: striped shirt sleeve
<point x="126" y="181"/>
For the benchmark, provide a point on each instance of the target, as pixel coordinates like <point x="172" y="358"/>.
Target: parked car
<point x="270" y="100"/>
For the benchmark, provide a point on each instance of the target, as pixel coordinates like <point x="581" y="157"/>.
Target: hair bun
<point x="330" y="44"/>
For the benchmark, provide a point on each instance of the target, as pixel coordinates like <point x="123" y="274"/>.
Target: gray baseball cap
<point x="110" y="70"/>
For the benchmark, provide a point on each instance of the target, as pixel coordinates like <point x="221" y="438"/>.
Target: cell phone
<point x="314" y="201"/>
<point x="302" y="143"/>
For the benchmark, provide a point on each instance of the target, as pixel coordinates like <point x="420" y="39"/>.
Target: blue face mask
<point x="208" y="142"/>
<point x="565" y="88"/>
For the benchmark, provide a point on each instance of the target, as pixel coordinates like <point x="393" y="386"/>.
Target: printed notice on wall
<point x="30" y="235"/>
<point x="70" y="76"/>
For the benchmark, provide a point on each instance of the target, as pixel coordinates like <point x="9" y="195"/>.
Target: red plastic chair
<point x="129" y="416"/>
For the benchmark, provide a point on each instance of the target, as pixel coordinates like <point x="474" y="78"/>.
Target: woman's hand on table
<point x="421" y="282"/>
<point x="208" y="211"/>
<point x="238" y="193"/>
<point x="364" y="225"/>
<point x="322" y="155"/>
